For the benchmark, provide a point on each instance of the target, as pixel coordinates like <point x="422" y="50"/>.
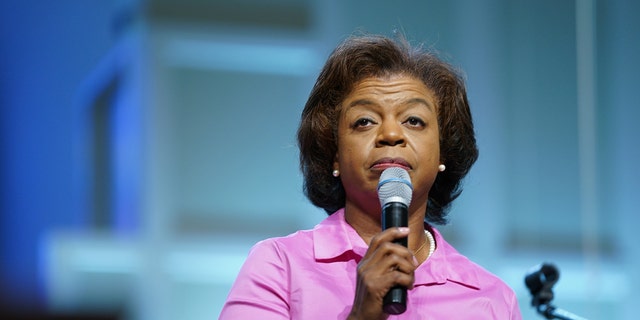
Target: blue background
<point x="145" y="146"/>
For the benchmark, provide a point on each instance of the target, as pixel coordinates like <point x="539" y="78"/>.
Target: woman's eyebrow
<point x="412" y="101"/>
<point x="361" y="102"/>
<point x="422" y="101"/>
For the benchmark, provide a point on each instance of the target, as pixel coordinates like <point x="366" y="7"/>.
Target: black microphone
<point x="540" y="280"/>
<point x="395" y="191"/>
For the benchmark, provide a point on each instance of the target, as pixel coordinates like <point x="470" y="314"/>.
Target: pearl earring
<point x="441" y="167"/>
<point x="336" y="173"/>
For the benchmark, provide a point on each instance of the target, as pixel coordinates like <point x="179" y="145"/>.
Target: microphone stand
<point x="540" y="282"/>
<point x="551" y="312"/>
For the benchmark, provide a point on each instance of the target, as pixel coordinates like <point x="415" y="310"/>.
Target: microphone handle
<point x="395" y="214"/>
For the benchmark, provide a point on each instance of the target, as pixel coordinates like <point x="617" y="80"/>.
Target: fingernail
<point x="415" y="261"/>
<point x="403" y="229"/>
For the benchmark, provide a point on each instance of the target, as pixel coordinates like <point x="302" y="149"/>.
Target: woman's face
<point x="386" y="122"/>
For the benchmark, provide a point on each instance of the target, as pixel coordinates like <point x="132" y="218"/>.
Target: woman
<point x="377" y="104"/>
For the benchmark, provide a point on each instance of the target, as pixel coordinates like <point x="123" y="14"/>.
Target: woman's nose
<point x="390" y="134"/>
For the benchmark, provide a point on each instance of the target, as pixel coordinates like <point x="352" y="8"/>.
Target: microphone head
<point x="395" y="186"/>
<point x="541" y="277"/>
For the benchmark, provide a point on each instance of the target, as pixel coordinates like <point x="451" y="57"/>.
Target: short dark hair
<point x="364" y="56"/>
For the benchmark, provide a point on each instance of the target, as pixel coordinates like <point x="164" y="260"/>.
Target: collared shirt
<point x="311" y="274"/>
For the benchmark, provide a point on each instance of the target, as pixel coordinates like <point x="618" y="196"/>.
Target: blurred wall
<point x="46" y="51"/>
<point x="147" y="145"/>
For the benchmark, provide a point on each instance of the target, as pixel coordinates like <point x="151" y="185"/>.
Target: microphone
<point x="540" y="280"/>
<point x="395" y="191"/>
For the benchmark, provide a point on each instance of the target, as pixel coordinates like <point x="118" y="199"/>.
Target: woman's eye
<point x="363" y="122"/>
<point x="415" y="122"/>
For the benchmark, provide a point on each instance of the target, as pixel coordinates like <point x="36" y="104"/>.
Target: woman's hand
<point x="385" y="265"/>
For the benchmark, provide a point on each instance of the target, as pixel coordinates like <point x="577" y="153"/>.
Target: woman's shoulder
<point x="284" y="246"/>
<point x="464" y="268"/>
<point x="300" y="241"/>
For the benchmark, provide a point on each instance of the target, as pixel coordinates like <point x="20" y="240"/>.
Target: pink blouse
<point x="311" y="274"/>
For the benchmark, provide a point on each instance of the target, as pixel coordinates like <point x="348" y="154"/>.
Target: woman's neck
<point x="368" y="223"/>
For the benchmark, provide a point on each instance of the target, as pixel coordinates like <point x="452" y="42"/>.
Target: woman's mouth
<point x="388" y="162"/>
